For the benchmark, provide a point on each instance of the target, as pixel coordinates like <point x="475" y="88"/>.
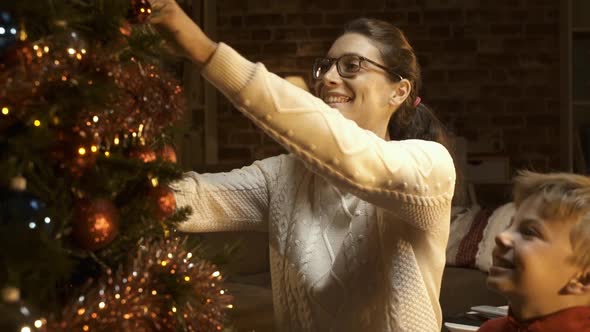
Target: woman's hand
<point x="164" y="12"/>
<point x="178" y="27"/>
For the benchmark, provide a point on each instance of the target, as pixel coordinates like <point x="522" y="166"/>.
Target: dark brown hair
<point x="408" y="121"/>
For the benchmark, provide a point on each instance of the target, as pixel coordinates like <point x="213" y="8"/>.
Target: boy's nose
<point x="503" y="239"/>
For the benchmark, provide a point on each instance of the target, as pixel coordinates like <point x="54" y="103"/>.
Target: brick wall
<point x="490" y="67"/>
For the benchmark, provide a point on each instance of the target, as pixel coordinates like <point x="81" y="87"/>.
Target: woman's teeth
<point x="335" y="100"/>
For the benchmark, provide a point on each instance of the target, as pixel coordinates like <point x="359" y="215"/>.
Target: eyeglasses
<point x="348" y="65"/>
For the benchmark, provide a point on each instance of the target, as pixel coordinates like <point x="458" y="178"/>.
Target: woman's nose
<point x="332" y="76"/>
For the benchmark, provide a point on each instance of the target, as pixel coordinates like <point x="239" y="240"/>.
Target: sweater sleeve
<point x="402" y="177"/>
<point x="232" y="201"/>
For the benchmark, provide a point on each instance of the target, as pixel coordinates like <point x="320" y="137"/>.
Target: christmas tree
<point x="87" y="222"/>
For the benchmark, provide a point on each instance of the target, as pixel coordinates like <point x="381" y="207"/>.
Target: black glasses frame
<point x="318" y="75"/>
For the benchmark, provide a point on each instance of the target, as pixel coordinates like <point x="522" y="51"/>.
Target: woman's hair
<point x="409" y="121"/>
<point x="565" y="198"/>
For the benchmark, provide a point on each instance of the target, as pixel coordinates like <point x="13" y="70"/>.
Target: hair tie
<point x="417" y="101"/>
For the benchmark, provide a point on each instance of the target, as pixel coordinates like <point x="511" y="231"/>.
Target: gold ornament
<point x="96" y="223"/>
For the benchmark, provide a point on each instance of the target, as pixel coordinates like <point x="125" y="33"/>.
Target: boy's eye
<point x="529" y="232"/>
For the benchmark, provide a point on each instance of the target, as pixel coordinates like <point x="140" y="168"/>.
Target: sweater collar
<point x="569" y="319"/>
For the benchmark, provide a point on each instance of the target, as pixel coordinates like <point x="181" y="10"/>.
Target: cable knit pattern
<point x="357" y="226"/>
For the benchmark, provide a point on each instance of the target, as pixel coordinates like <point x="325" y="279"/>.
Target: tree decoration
<point x="168" y="153"/>
<point x="140" y="11"/>
<point x="96" y="223"/>
<point x="192" y="298"/>
<point x="8" y="31"/>
<point x="142" y="153"/>
<point x="163" y="202"/>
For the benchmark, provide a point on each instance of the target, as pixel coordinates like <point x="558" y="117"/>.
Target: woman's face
<point x="369" y="97"/>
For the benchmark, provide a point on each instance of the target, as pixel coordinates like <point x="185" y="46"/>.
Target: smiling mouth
<point x="502" y="263"/>
<point x="333" y="100"/>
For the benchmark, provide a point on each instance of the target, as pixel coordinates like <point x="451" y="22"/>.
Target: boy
<point x="541" y="262"/>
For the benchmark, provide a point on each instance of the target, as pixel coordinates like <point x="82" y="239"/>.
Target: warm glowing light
<point x="107" y="154"/>
<point x="126" y="316"/>
<point x="94" y="148"/>
<point x="25" y="329"/>
<point x="154" y="292"/>
<point x="81" y="151"/>
<point x="230" y="306"/>
<point x="79" y="56"/>
<point x="85" y="328"/>
<point x="81" y="311"/>
<point x="56" y="62"/>
<point x="101" y="305"/>
<point x="36" y="47"/>
<point x="117" y="296"/>
<point x="71" y="51"/>
<point x="116" y="141"/>
<point x="222" y="292"/>
<point x="37" y="123"/>
<point x="83" y="51"/>
<point x="64" y="78"/>
<point x="95" y="118"/>
<point x="5" y="110"/>
<point x="46" y="49"/>
<point x="38" y="323"/>
<point x="173" y="309"/>
<point x="154" y="182"/>
<point x="170" y="255"/>
<point x="216" y="274"/>
<point x="187" y="278"/>
<point x="164" y="263"/>
<point x="189" y="255"/>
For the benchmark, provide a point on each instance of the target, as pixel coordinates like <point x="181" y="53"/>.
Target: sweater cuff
<point x="228" y="71"/>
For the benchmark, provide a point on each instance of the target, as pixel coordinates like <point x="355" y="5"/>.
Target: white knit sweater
<point x="357" y="225"/>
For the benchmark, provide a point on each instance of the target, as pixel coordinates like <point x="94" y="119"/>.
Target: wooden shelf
<point x="581" y="103"/>
<point x="581" y="29"/>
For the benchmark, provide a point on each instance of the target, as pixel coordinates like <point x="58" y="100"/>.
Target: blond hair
<point x="566" y="197"/>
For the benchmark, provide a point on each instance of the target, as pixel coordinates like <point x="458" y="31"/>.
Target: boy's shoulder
<point x="501" y="324"/>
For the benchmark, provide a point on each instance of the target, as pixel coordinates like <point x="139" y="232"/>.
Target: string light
<point x="37" y="123"/>
<point x="94" y="148"/>
<point x="154" y="182"/>
<point x="25" y="329"/>
<point x="107" y="154"/>
<point x="5" y="110"/>
<point x="81" y="151"/>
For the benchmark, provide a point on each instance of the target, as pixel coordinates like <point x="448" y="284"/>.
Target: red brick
<point x="261" y="34"/>
<point x="506" y="29"/>
<point x="263" y="20"/>
<point x="290" y="34"/>
<point x="305" y="19"/>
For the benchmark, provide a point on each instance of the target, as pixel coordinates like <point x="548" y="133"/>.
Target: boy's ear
<point x="579" y="284"/>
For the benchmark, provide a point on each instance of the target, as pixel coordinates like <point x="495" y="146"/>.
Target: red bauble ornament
<point x="140" y="11"/>
<point x="168" y="153"/>
<point x="143" y="153"/>
<point x="163" y="201"/>
<point x="96" y="223"/>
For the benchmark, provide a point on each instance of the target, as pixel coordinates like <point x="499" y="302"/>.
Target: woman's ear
<point x="401" y="91"/>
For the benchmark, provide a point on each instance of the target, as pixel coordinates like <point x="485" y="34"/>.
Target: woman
<point x="358" y="213"/>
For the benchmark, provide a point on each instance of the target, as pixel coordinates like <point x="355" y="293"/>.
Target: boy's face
<point x="532" y="258"/>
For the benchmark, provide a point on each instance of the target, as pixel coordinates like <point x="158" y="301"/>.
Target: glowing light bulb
<point x="5" y="110"/>
<point x="37" y="123"/>
<point x="81" y="151"/>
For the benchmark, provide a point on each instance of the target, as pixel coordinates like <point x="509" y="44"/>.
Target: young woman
<point x="358" y="212"/>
